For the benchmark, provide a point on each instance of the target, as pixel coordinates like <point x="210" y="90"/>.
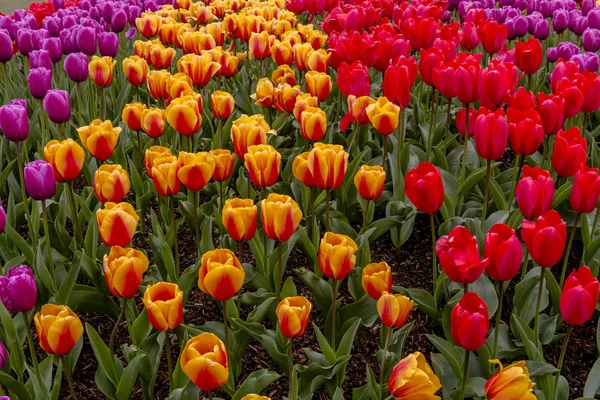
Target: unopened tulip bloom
<point x="57" y="106"/>
<point x="535" y="192"/>
<point x="239" y="218"/>
<point x="184" y="115"/>
<point x="6" y="46"/>
<point x="108" y="44"/>
<point x="586" y="189"/>
<point x="512" y="382"/>
<point x="570" y="152"/>
<point x="58" y="329"/>
<point x="221" y="274"/>
<point x="318" y="84"/>
<point x="398" y="80"/>
<point x="545" y="238"/>
<point x="161" y="57"/>
<point x="148" y="25"/>
<point x="39" y="180"/>
<point x="285" y="97"/>
<point x="66" y="158"/>
<point x="354" y="79"/>
<point x="282" y="52"/>
<point x="153" y="153"/>
<point x="201" y="68"/>
<point x="337" y="255"/>
<point x="528" y="55"/>
<point x="377" y="279"/>
<point x="469" y="322"/>
<point x="303" y="102"/>
<point x="157" y="84"/>
<point x="135" y="70"/>
<point x="164" y="176"/>
<point x="264" y="95"/>
<point x="467" y="79"/>
<point x="280" y="216"/>
<point x="132" y="115"/>
<point x="164" y="304"/>
<point x="111" y="183"/>
<point x="579" y="297"/>
<point x="117" y="223"/>
<point x="459" y="256"/>
<point x="394" y="309"/>
<point x="424" y="188"/>
<point x="76" y="67"/>
<point x="384" y="115"/>
<point x="204" y="361"/>
<point x="504" y="250"/>
<point x="222" y="104"/>
<point x="313" y="123"/>
<point x="101" y="71"/>
<point x="195" y="169"/>
<point x="123" y="271"/>
<point x="327" y="164"/>
<point x="369" y="181"/>
<point x="284" y="74"/>
<point x="153" y="122"/>
<point x="40" y="58"/>
<point x="14" y="121"/>
<point x="18" y="290"/>
<point x="412" y="377"/>
<point x="262" y="163"/>
<point x="552" y="111"/>
<point x="259" y="45"/>
<point x="491" y="135"/>
<point x="224" y="161"/>
<point x="100" y="138"/>
<point x="492" y="36"/>
<point x="293" y="314"/>
<point x="248" y="131"/>
<point x="39" y="82"/>
<point x="525" y="131"/>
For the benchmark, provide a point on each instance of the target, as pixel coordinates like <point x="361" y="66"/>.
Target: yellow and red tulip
<point x="201" y="68"/>
<point x="262" y="163"/>
<point x="164" y="175"/>
<point x="222" y="104"/>
<point x="280" y="216"/>
<point x="184" y="115"/>
<point x="157" y="84"/>
<point x="101" y="70"/>
<point x="164" y="304"/>
<point x="204" y="361"/>
<point x="117" y="223"/>
<point x="285" y="97"/>
<point x="313" y="123"/>
<point x="153" y="153"/>
<point x="301" y="171"/>
<point x="327" y="164"/>
<point x="318" y="60"/>
<point x="239" y="218"/>
<point x="376" y="279"/>
<point x="394" y="309"/>
<point x="132" y="116"/>
<point x="284" y="74"/>
<point x="148" y="25"/>
<point x="265" y="93"/>
<point x="337" y="255"/>
<point x="282" y="52"/>
<point x="100" y="138"/>
<point x="66" y="158"/>
<point x="318" y="84"/>
<point x="195" y="169"/>
<point x="153" y="122"/>
<point x="58" y="328"/>
<point x="111" y="183"/>
<point x="512" y="382"/>
<point x="223" y="164"/>
<point x="369" y="181"/>
<point x="180" y="85"/>
<point x="123" y="271"/>
<point x="161" y="57"/>
<point x="293" y="314"/>
<point x="135" y="70"/>
<point x="248" y="131"/>
<point x="221" y="274"/>
<point x="304" y="101"/>
<point x="413" y="378"/>
<point x="384" y="115"/>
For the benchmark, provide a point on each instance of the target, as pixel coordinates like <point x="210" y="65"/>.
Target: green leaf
<point x="15" y="387"/>
<point x="106" y="360"/>
<point x="255" y="383"/>
<point x="592" y="384"/>
<point x="561" y="194"/>
<point x="129" y="378"/>
<point x="345" y="345"/>
<point x="423" y="298"/>
<point x="472" y="179"/>
<point x="66" y="287"/>
<point x="20" y="243"/>
<point x="450" y="353"/>
<point x="319" y="288"/>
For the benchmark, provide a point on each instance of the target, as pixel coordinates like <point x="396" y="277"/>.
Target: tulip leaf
<point x="561" y="194"/>
<point x="497" y="194"/>
<point x="526" y="293"/>
<point x="66" y="287"/>
<point x="15" y="387"/>
<point x="319" y="288"/>
<point x="445" y="373"/>
<point x="452" y="355"/>
<point x="41" y="269"/>
<point x="472" y="179"/>
<point x="527" y="336"/>
<point x="338" y="395"/>
<point x="267" y="338"/>
<point x="141" y="328"/>
<point x="20" y="243"/>
<point x="129" y="378"/>
<point x="315" y="375"/>
<point x="16" y="355"/>
<point x="592" y="384"/>
<point x="365" y="309"/>
<point x="107" y="361"/>
<point x="423" y="298"/>
<point x="255" y="383"/>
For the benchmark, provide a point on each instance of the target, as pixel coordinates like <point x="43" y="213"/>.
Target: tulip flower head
<point x="459" y="256"/>
<point x="327" y="163"/>
<point x="58" y="329"/>
<point x="262" y="163"/>
<point x="570" y="152"/>
<point x="313" y="123"/>
<point x="545" y="238"/>
<point x="491" y="134"/>
<point x="153" y="153"/>
<point x="239" y="218"/>
<point x="164" y="304"/>
<point x="354" y="79"/>
<point x="14" y="121"/>
<point x="195" y="169"/>
<point x="57" y="106"/>
<point x="222" y="103"/>
<point x="18" y="290"/>
<point x="384" y="116"/>
<point x="111" y="183"/>
<point x="101" y="70"/>
<point x="586" y="189"/>
<point x="301" y="171"/>
<point x="123" y="271"/>
<point x="377" y="279"/>
<point x="135" y="70"/>
<point x="504" y="251"/>
<point x="394" y="309"/>
<point x="369" y="181"/>
<point x="184" y="115"/>
<point x="318" y="84"/>
<point x="525" y="131"/>
<point x="164" y="175"/>
<point x="100" y="138"/>
<point x="413" y="377"/>
<point x="66" y="158"/>
<point x="399" y="79"/>
<point x="579" y="296"/>
<point x="511" y="382"/>
<point x="132" y="115"/>
<point x="280" y="216"/>
<point x="293" y="314"/>
<point x="224" y="161"/>
<point x="529" y="56"/>
<point x="204" y="361"/>
<point x="39" y="180"/>
<point x="337" y="255"/>
<point x="469" y="322"/>
<point x="221" y="274"/>
<point x="117" y="223"/>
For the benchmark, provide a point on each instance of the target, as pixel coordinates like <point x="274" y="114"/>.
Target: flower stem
<point x="42" y="122"/>
<point x="174" y="221"/>
<point x="431" y="122"/>
<point x="524" y="267"/>
<point x="335" y="292"/>
<point x="116" y="327"/>
<point x="401" y="129"/>
<point x="279" y="270"/>
<point x="566" y="261"/>
<point x="240" y="257"/>
<point x="195" y="197"/>
<point x="561" y="360"/>
<point x="23" y="191"/>
<point x="465" y="375"/>
<point x="464" y="160"/>
<point x="595" y="222"/>
<point x="388" y="333"/>
<point x="498" y="318"/>
<point x="65" y="362"/>
<point x="74" y="219"/>
<point x="326" y="210"/>
<point x="169" y="359"/>
<point x="366" y="217"/>
<point x="226" y="330"/>
<point x="434" y="255"/>
<point x="47" y="235"/>
<point x="447" y="126"/>
<point x="34" y="359"/>
<point x="291" y="362"/>
<point x="79" y="107"/>
<point x="486" y="193"/>
<point x="536" y="325"/>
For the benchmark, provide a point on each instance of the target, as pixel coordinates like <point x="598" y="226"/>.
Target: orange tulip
<point x="248" y="131"/>
<point x="101" y="70"/>
<point x="376" y="279"/>
<point x="132" y="116"/>
<point x="293" y="37"/>
<point x="413" y="378"/>
<point x="284" y="74"/>
<point x="58" y="329"/>
<point x="301" y="53"/>
<point x="223" y="164"/>
<point x="262" y="162"/>
<point x="99" y="138"/>
<point x="153" y="122"/>
<point x="301" y="171"/>
<point x="161" y="57"/>
<point x="195" y="169"/>
<point x="313" y="123"/>
<point x="148" y="25"/>
<point x="184" y="115"/>
<point x="318" y="60"/>
<point x="180" y="85"/>
<point x="135" y="70"/>
<point x="204" y="361"/>
<point x="197" y="42"/>
<point x="141" y="48"/>
<point x="512" y="382"/>
<point x="153" y="153"/>
<point x="369" y="181"/>
<point x="281" y="26"/>
<point x="327" y="163"/>
<point x="116" y="223"/>
<point x="280" y="216"/>
<point x="168" y="33"/>
<point x="285" y="97"/>
<point x="259" y="45"/>
<point x="229" y="64"/>
<point x="164" y="304"/>
<point x="164" y="176"/>
<point x="202" y="13"/>
<point x="394" y="309"/>
<point x="221" y="274"/>
<point x="246" y="25"/>
<point x="303" y="102"/>
<point x="239" y="218"/>
<point x="201" y="68"/>
<point x="157" y="84"/>
<point x="336" y="255"/>
<point x="265" y="93"/>
<point x="66" y="158"/>
<point x="384" y="115"/>
<point x="216" y="30"/>
<point x="293" y="314"/>
<point x="316" y="38"/>
<point x="123" y="271"/>
<point x="318" y="84"/>
<point x="282" y="52"/>
<point x="111" y="183"/>
<point x="222" y="104"/>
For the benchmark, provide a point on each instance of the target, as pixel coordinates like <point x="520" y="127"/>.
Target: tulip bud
<point x="135" y="70"/>
<point x="586" y="189"/>
<point x="293" y="314"/>
<point x="354" y="79"/>
<point x="504" y="251"/>
<point x="153" y="122"/>
<point x="491" y="135"/>
<point x="39" y="180"/>
<point x="377" y="279"/>
<point x="101" y="71"/>
<point x="223" y="164"/>
<point x="123" y="271"/>
<point x="157" y="84"/>
<point x="111" y="183"/>
<point x="117" y="223"/>
<point x="184" y="115"/>
<point x="510" y="382"/>
<point x="39" y="82"/>
<point x="413" y="377"/>
<point x="222" y="104"/>
<point x="303" y="102"/>
<point x="384" y="115"/>
<point x="195" y="169"/>
<point x="154" y="152"/>
<point x="200" y="68"/>
<point x="99" y="138"/>
<point x="318" y="84"/>
<point x="221" y="274"/>
<point x="492" y="36"/>
<point x="525" y="131"/>
<point x="459" y="256"/>
<point x="239" y="218"/>
<point x="248" y="131"/>
<point x="76" y="67"/>
<point x="404" y="71"/>
<point x="369" y="181"/>
<point x="394" y="309"/>
<point x="280" y="216"/>
<point x="529" y="55"/>
<point x="262" y="163"/>
<point x="301" y="171"/>
<point x="6" y="46"/>
<point x="570" y="152"/>
<point x="337" y="255"/>
<point x="552" y="111"/>
<point x="318" y="60"/>
<point x="58" y="329"/>
<point x="164" y="175"/>
<point x="18" y="290"/>
<point x="284" y="74"/>
<point x="164" y="304"/>
<point x="132" y="116"/>
<point x="66" y="158"/>
<point x="327" y="164"/>
<point x="204" y="361"/>
<point x="357" y="111"/>
<point x="313" y="123"/>
<point x="57" y="106"/>
<point x="259" y="45"/>
<point x="545" y="238"/>
<point x="424" y="188"/>
<point x="265" y="93"/>
<point x="14" y="121"/>
<point x="579" y="297"/>
<point x="535" y="192"/>
<point x="469" y="322"/>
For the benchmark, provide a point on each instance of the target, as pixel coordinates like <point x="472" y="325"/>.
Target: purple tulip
<point x="39" y="180"/>
<point x="593" y="18"/>
<point x="580" y="26"/>
<point x="25" y="41"/>
<point x="587" y="6"/>
<point x="85" y="5"/>
<point x="18" y="289"/>
<point x="560" y="20"/>
<point x="7" y="23"/>
<point x="39" y="81"/>
<point x="14" y="121"/>
<point x="541" y="30"/>
<point x="119" y="21"/>
<point x="69" y="21"/>
<point x="27" y="22"/>
<point x="552" y="54"/>
<point x="6" y="46"/>
<point x="20" y="14"/>
<point x="40" y="59"/>
<point x="108" y="44"/>
<point x="58" y="4"/>
<point x="57" y="105"/>
<point x="95" y="13"/>
<point x="86" y="40"/>
<point x="520" y="25"/>
<point x="591" y="40"/>
<point x="2" y="219"/>
<point x="131" y="33"/>
<point x="54" y="48"/>
<point x="533" y="19"/>
<point x="53" y="25"/>
<point x="3" y="360"/>
<point x="76" y="67"/>
<point x="587" y="61"/>
<point x="133" y="12"/>
<point x="107" y="11"/>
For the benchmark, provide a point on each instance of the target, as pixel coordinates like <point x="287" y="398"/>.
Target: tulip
<point x="529" y="55"/>
<point x="282" y="52"/>
<point x="354" y="79"/>
<point x="108" y="44"/>
<point x="504" y="252"/>
<point x="570" y="152"/>
<point x="280" y="216"/>
<point x="58" y="329"/>
<point x="221" y="274"/>
<point x="18" y="290"/>
<point x="223" y="164"/>
<point x="135" y="70"/>
<point x="522" y="100"/>
<point x="301" y="52"/>
<point x="101" y="71"/>
<point x="262" y="163"/>
<point x="492" y="36"/>
<point x="153" y="153"/>
<point x="579" y="297"/>
<point x="535" y="192"/>
<point x="132" y="115"/>
<point x="66" y="158"/>
<point x="369" y="181"/>
<point x="549" y="230"/>
<point x="467" y="80"/>
<point x="200" y="68"/>
<point x="394" y="309"/>
<point x="265" y="93"/>
<point x="195" y="169"/>
<point x="14" y="121"/>
<point x="357" y="111"/>
<point x="459" y="256"/>
<point x="76" y="67"/>
<point x="398" y="80"/>
<point x="497" y="81"/>
<point x="313" y="123"/>
<point x="284" y="74"/>
<point x="184" y="115"/>
<point x="161" y="57"/>
<point x="248" y="131"/>
<point x="590" y="82"/>
<point x="377" y="279"/>
<point x="39" y="59"/>
<point x="586" y="189"/>
<point x="157" y="84"/>
<point x="293" y="314"/>
<point x="525" y="131"/>
<point x="117" y="223"/>
<point x="384" y="116"/>
<point x="511" y="382"/>
<point x="153" y="122"/>
<point x="39" y="180"/>
<point x="164" y="175"/>
<point x="413" y="377"/>
<point x="164" y="304"/>
<point x="552" y="111"/>
<point x="337" y="255"/>
<point x="39" y="82"/>
<point x="424" y="188"/>
<point x="285" y="96"/>
<point x="222" y="104"/>
<point x="239" y="218"/>
<point x="301" y="171"/>
<point x="6" y="46"/>
<point x="123" y="271"/>
<point x="318" y="84"/>
<point x="99" y="138"/>
<point x="111" y="183"/>
<point x="204" y="361"/>
<point x="85" y="37"/>
<point x="258" y="45"/>
<point x="57" y="106"/>
<point x="148" y="25"/>
<point x="469" y="322"/>
<point x="327" y="164"/>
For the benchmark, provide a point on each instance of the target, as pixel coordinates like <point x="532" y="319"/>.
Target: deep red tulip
<point x="535" y="192"/>
<point x="461" y="117"/>
<point x="589" y="83"/>
<point x="545" y="238"/>
<point x="563" y="70"/>
<point x="459" y="256"/>
<point x="468" y="36"/>
<point x="420" y="32"/>
<point x="442" y="78"/>
<point x="525" y="131"/>
<point x="450" y="31"/>
<point x="569" y="152"/>
<point x="467" y="81"/>
<point x="504" y="250"/>
<point x="447" y="47"/>
<point x="522" y="99"/>
<point x="469" y="322"/>
<point x="492" y="36"/>
<point x="381" y="52"/>
<point x="579" y="297"/>
<point x="529" y="55"/>
<point x="573" y="95"/>
<point x="498" y="80"/>
<point x="430" y="59"/>
<point x="552" y="111"/>
<point x="586" y="189"/>
<point x="424" y="188"/>
<point x="399" y="79"/>
<point x="491" y="134"/>
<point x="354" y="79"/>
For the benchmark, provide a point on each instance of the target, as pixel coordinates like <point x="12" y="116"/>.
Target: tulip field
<point x="300" y="199"/>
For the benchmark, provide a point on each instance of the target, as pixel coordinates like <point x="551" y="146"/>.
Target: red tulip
<point x="579" y="296"/>
<point x="563" y="70"/>
<point x="459" y="256"/>
<point x="522" y="99"/>
<point x="504" y="251"/>
<point x="461" y="118"/>
<point x="468" y="36"/>
<point x="420" y="32"/>
<point x="492" y="36"/>
<point x="552" y="111"/>
<point x="399" y="79"/>
<point x="467" y="81"/>
<point x="469" y="322"/>
<point x="586" y="189"/>
<point x="589" y="82"/>
<point x="354" y="79"/>
<point x="529" y="55"/>
<point x="568" y="90"/>
<point x="491" y="134"/>
<point x="525" y="131"/>
<point x="569" y="152"/>
<point x="380" y="52"/>
<point x="545" y="238"/>
<point x="498" y="80"/>
<point x="424" y="188"/>
<point x="430" y="59"/>
<point x="442" y="78"/>
<point x="535" y="192"/>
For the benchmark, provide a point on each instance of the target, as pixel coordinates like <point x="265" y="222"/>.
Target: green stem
<point x="34" y="359"/>
<point x="221" y="205"/>
<point x="226" y="330"/>
<point x="240" y="257"/>
<point x="431" y="122"/>
<point x="291" y="364"/>
<point x="210" y="395"/>
<point x="498" y="318"/>
<point x="74" y="219"/>
<point x="116" y="327"/>
<point x="365" y="217"/>
<point x="65" y="361"/>
<point x="388" y="333"/>
<point x="326" y="210"/>
<point x="333" y="305"/>
<point x="28" y="217"/>
<point x="384" y="158"/>
<point x="79" y="106"/>
<point x="169" y="359"/>
<point x="447" y="126"/>
<point x="561" y="361"/>
<point x="536" y="325"/>
<point x="465" y="375"/>
<point x="464" y="160"/>
<point x="195" y="197"/>
<point x="595" y="222"/>
<point x="486" y="193"/>
<point x="102" y="111"/>
<point x="47" y="235"/>
<point x="515" y="178"/>
<point x="174" y="221"/>
<point x="279" y="271"/>
<point x="566" y="260"/>
<point x="43" y="122"/>
<point x="434" y="255"/>
<point x="354" y="134"/>
<point x="524" y="267"/>
<point x="402" y="128"/>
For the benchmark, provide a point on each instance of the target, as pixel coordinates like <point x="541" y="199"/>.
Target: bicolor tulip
<point x="327" y="164"/>
<point x="264" y="95"/>
<point x="201" y="68"/>
<point x="164" y="304"/>
<point x="195" y="169"/>
<point x="39" y="180"/>
<point x="248" y="131"/>
<point x="239" y="218"/>
<point x="424" y="187"/>
<point x="66" y="158"/>
<point x="161" y="57"/>
<point x="280" y="216"/>
<point x="369" y="181"/>
<point x="157" y="84"/>
<point x="284" y="97"/>
<point x="412" y="377"/>
<point x="282" y="52"/>
<point x="164" y="176"/>
<point x="504" y="251"/>
<point x="469" y="322"/>
<point x="184" y="115"/>
<point x="293" y="314"/>
<point x="179" y="85"/>
<point x="545" y="238"/>
<point x="377" y="279"/>
<point x="101" y="70"/>
<point x="132" y="115"/>
<point x="18" y="290"/>
<point x="313" y="123"/>
<point x="318" y="84"/>
<point x="259" y="45"/>
<point x="570" y="152"/>
<point x="224" y="161"/>
<point x="579" y="297"/>
<point x="535" y="192"/>
<point x="221" y="274"/>
<point x="135" y="70"/>
<point x="123" y="271"/>
<point x="148" y="25"/>
<point x="337" y="255"/>
<point x="204" y="361"/>
<point x="111" y="183"/>
<point x="117" y="223"/>
<point x="99" y="138"/>
<point x="458" y="253"/>
<point x="301" y="171"/>
<point x="222" y="104"/>
<point x="511" y="382"/>
<point x="153" y="153"/>
<point x="586" y="189"/>
<point x="301" y="53"/>
<point x="58" y="329"/>
<point x="284" y="74"/>
<point x="357" y="111"/>
<point x="384" y="115"/>
<point x="262" y="163"/>
<point x="394" y="309"/>
<point x="153" y="122"/>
